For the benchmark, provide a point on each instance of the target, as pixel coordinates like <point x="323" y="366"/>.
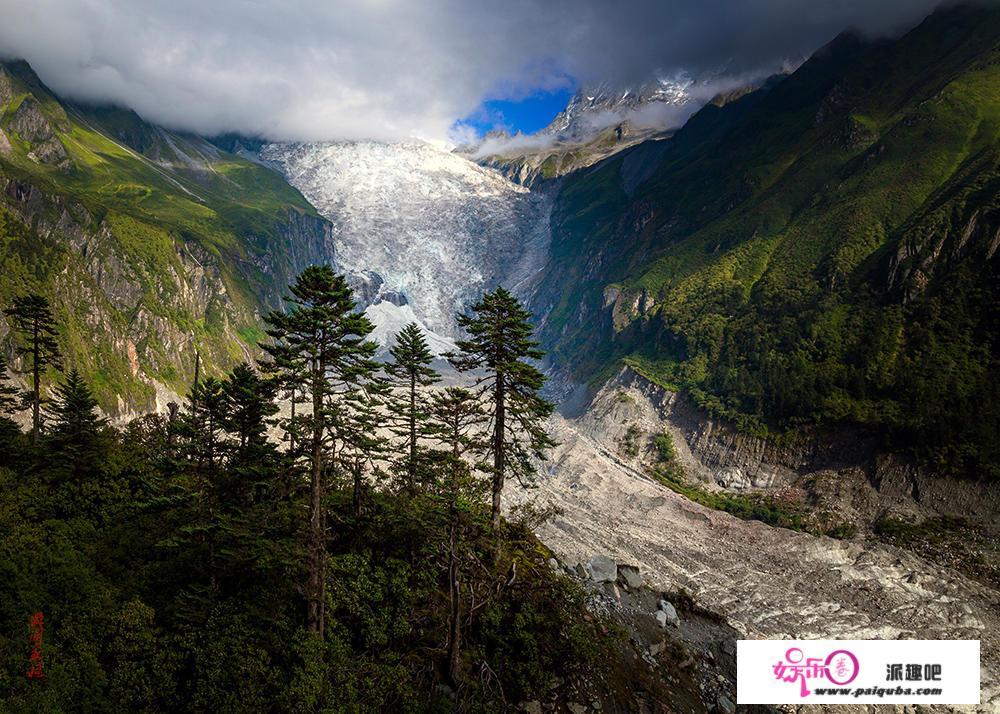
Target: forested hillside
<point x="347" y="556"/>
<point x="152" y="245"/>
<point x="820" y="251"/>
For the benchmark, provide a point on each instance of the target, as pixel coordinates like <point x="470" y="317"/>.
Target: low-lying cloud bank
<point x="388" y="69"/>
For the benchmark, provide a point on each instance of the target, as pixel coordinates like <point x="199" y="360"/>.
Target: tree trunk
<point x="36" y="418"/>
<point x="317" y="554"/>
<point x="357" y="490"/>
<point x="291" y="435"/>
<point x="455" y="610"/>
<point x="322" y="572"/>
<point x="172" y="408"/>
<point x="498" y="451"/>
<point x="412" y="466"/>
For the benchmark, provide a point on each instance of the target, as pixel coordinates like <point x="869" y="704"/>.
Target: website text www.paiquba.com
<point x="881" y="691"/>
<point x="858" y="672"/>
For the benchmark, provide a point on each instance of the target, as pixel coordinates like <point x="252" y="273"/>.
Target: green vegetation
<point x="31" y="317"/>
<point x="951" y="541"/>
<point x="820" y="251"/>
<point x="782" y="510"/>
<point x="136" y="234"/>
<point x="750" y="507"/>
<point x="664" y="444"/>
<point x="630" y="441"/>
<point x="177" y="565"/>
<point x="499" y="346"/>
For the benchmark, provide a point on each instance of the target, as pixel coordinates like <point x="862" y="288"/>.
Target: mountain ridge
<point x="152" y="245"/>
<point x="756" y="274"/>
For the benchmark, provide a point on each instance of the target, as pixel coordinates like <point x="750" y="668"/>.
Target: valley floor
<point x="768" y="582"/>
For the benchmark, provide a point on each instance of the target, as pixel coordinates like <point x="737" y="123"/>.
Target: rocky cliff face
<point x="841" y="470"/>
<point x="131" y="321"/>
<point x="546" y="159"/>
<point x="152" y="246"/>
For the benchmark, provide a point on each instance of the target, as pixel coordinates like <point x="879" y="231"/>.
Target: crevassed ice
<point x="437" y="228"/>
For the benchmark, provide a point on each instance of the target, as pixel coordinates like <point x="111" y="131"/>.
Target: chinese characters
<point x="913" y="673"/>
<point x="36" y="624"/>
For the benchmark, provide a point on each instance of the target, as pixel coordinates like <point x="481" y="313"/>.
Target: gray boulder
<point x="726" y="705"/>
<point x="628" y="575"/>
<point x="602" y="569"/>
<point x="732" y="477"/>
<point x="669" y="613"/>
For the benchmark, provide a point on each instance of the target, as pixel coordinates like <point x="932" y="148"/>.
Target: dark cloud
<point x="316" y="69"/>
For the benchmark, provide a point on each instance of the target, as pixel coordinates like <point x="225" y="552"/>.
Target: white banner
<point x="857" y="672"/>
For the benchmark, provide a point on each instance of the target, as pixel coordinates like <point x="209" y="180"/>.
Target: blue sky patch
<point x="526" y="115"/>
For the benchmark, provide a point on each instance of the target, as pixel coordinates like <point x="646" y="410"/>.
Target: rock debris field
<point x="767" y="582"/>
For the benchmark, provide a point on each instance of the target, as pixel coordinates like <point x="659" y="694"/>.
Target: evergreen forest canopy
<point x="343" y="553"/>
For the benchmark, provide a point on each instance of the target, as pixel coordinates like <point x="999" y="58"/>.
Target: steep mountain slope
<point x="421" y="231"/>
<point x="150" y="244"/>
<point x="823" y="250"/>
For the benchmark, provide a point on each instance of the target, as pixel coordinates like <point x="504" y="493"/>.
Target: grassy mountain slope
<point x="819" y="251"/>
<point x="150" y="244"/>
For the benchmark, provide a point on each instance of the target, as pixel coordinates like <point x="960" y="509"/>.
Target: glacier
<point x="421" y="232"/>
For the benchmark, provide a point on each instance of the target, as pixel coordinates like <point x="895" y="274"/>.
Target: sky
<point x="525" y="115"/>
<point x="442" y="70"/>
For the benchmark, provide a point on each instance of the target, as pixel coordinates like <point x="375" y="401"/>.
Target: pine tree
<point x="254" y="513"/>
<point x="248" y="408"/>
<point x="320" y="346"/>
<point x="74" y="410"/>
<point x="206" y="405"/>
<point x="499" y="343"/>
<point x="10" y="397"/>
<point x="76" y="425"/>
<point x="202" y="453"/>
<point x="457" y="419"/>
<point x="356" y="425"/>
<point x="410" y="374"/>
<point x="31" y="317"/>
<point x="460" y="497"/>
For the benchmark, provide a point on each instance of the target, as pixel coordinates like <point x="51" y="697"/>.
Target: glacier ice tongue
<point x="436" y="228"/>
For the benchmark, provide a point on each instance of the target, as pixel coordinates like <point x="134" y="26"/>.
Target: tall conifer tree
<point x="76" y="424"/>
<point x="499" y="344"/>
<point x="410" y="374"/>
<point x="248" y="408"/>
<point x="456" y="420"/>
<point x="320" y="346"/>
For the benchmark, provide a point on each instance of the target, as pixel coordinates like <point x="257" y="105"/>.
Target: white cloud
<point x="315" y="69"/>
